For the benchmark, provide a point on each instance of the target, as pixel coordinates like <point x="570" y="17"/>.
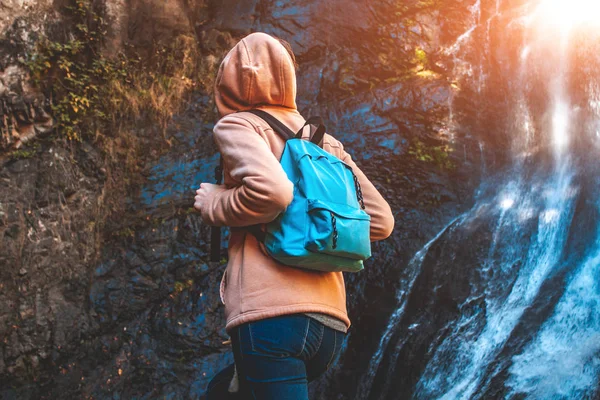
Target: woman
<point x="287" y="324"/>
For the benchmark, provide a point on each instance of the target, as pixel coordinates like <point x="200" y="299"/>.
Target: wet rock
<point x="132" y="309"/>
<point x="18" y="367"/>
<point x="35" y="362"/>
<point x="2" y="364"/>
<point x="24" y="111"/>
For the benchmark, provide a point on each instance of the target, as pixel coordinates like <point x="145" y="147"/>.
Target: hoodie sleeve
<point x="262" y="189"/>
<point x="382" y="219"/>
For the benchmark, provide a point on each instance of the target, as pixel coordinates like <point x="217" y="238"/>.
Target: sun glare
<point x="507" y="203"/>
<point x="569" y="14"/>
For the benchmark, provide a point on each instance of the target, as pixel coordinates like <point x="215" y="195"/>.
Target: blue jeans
<point x="277" y="357"/>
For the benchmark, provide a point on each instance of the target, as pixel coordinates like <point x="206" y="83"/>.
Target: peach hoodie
<point x="259" y="73"/>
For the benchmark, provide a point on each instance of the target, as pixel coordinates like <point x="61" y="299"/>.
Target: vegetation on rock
<point x="93" y="94"/>
<point x="437" y="155"/>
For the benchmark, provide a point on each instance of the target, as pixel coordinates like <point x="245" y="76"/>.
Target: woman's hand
<point x="205" y="192"/>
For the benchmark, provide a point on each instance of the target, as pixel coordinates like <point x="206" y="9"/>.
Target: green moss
<point x="125" y="232"/>
<point x="181" y="286"/>
<point x="423" y="4"/>
<point x="437" y="155"/>
<point x="403" y="11"/>
<point x="421" y="56"/>
<point x="93" y="95"/>
<point x="73" y="74"/>
<point x="26" y="152"/>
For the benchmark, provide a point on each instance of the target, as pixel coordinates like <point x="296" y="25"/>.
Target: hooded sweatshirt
<point x="258" y="73"/>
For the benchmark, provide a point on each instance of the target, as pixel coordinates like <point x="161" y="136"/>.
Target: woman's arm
<point x="262" y="189"/>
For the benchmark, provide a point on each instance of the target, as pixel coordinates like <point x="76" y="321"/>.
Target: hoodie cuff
<point x="207" y="211"/>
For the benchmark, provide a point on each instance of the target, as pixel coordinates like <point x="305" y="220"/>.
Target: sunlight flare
<point x="569" y="14"/>
<point x="507" y="203"/>
<point x="560" y="125"/>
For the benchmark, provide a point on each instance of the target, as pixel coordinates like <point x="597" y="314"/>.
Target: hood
<point x="257" y="71"/>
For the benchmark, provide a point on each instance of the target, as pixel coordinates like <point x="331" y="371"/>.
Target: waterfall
<point x="413" y="269"/>
<point x="563" y="361"/>
<point x="471" y="350"/>
<point x="533" y="207"/>
<point x="461" y="68"/>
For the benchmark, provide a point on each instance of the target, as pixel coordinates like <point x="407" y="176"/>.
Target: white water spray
<point x="564" y="359"/>
<point x="469" y="351"/>
<point x="414" y="268"/>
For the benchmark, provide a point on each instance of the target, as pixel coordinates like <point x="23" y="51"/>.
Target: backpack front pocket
<point x="338" y="229"/>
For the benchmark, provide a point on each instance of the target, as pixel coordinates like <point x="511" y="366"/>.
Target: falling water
<point x="414" y="266"/>
<point x="561" y="360"/>
<point x="473" y="350"/>
<point x="487" y="49"/>
<point x="482" y="157"/>
<point x="461" y="68"/>
<point x="413" y="270"/>
<point x="564" y="359"/>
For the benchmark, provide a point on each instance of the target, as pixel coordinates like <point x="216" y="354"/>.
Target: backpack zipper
<point x="335" y="232"/>
<point x="359" y="194"/>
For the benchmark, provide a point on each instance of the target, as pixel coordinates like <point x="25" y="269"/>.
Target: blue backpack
<point x="325" y="227"/>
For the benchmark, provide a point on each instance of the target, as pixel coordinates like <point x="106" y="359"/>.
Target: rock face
<point x="24" y="112"/>
<point x="128" y="307"/>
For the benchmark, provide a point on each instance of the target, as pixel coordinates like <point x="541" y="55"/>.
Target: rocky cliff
<point x="106" y="290"/>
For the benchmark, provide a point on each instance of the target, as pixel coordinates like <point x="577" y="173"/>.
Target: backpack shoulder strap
<point x="286" y="133"/>
<point x="215" y="231"/>
<point x="318" y="134"/>
<point x="275" y="124"/>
